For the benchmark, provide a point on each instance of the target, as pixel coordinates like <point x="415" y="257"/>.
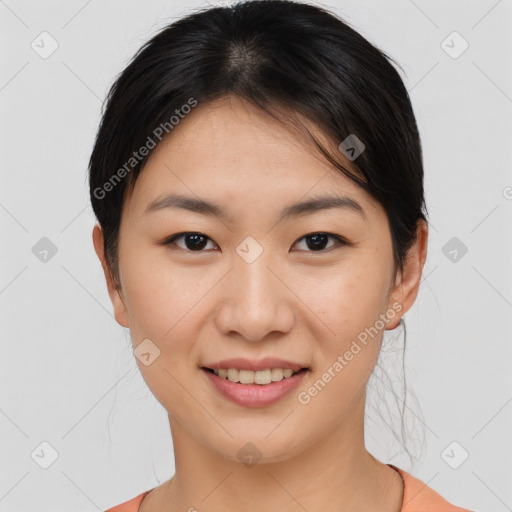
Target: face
<point x="313" y="288"/>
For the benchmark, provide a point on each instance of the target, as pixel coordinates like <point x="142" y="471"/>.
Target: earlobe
<point x="408" y="281"/>
<point x="120" y="312"/>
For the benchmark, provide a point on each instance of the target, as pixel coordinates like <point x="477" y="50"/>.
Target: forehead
<point x="228" y="150"/>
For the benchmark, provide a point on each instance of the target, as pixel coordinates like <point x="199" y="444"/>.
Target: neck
<point x="336" y="473"/>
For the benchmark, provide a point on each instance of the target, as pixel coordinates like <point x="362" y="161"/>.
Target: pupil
<point x="199" y="241"/>
<point x="316" y="239"/>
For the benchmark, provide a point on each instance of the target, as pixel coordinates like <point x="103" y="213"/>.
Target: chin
<point x="264" y="448"/>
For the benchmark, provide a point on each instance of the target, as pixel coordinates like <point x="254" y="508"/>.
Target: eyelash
<point x="170" y="240"/>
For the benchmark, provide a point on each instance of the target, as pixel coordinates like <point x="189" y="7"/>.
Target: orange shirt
<point x="418" y="497"/>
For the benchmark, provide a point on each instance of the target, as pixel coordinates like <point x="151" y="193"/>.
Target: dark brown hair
<point x="292" y="60"/>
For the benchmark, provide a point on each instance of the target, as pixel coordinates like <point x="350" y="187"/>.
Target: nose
<point x="254" y="300"/>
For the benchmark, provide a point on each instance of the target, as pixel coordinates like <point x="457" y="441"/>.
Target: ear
<point x="407" y="282"/>
<point x="115" y="294"/>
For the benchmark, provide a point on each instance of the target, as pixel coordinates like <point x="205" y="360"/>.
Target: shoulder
<point x="130" y="505"/>
<point x="419" y="497"/>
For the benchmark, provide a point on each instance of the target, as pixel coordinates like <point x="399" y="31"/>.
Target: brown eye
<point x="317" y="242"/>
<point x="194" y="242"/>
<point x="197" y="242"/>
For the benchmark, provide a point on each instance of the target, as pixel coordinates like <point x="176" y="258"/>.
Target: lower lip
<point x="255" y="395"/>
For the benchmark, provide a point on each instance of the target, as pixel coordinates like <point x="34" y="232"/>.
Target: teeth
<point x="254" y="377"/>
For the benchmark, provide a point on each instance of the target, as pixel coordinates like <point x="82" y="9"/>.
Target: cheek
<point x="350" y="304"/>
<point x="350" y="297"/>
<point x="350" y="301"/>
<point x="160" y="303"/>
<point x="157" y="296"/>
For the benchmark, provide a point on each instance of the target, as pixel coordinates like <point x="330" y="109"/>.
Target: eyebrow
<point x="211" y="209"/>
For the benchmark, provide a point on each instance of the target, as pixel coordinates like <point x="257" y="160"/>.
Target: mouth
<point x="254" y="389"/>
<point x="255" y="377"/>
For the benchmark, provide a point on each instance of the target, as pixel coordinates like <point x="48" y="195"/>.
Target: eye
<point x="194" y="242"/>
<point x="317" y="241"/>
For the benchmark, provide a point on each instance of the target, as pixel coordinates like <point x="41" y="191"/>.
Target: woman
<point x="258" y="184"/>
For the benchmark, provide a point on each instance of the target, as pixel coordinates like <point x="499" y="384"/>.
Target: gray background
<point x="68" y="377"/>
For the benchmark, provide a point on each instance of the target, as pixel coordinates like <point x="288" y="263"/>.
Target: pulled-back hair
<point x="292" y="60"/>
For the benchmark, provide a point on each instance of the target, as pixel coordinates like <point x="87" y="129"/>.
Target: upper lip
<point x="241" y="363"/>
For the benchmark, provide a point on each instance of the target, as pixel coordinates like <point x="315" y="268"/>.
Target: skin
<point x="291" y="302"/>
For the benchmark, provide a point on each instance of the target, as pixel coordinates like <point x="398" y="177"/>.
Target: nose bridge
<point x="254" y="281"/>
<point x="256" y="300"/>
<point x="255" y="284"/>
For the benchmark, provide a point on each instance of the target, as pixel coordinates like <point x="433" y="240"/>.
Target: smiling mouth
<point x="261" y="377"/>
